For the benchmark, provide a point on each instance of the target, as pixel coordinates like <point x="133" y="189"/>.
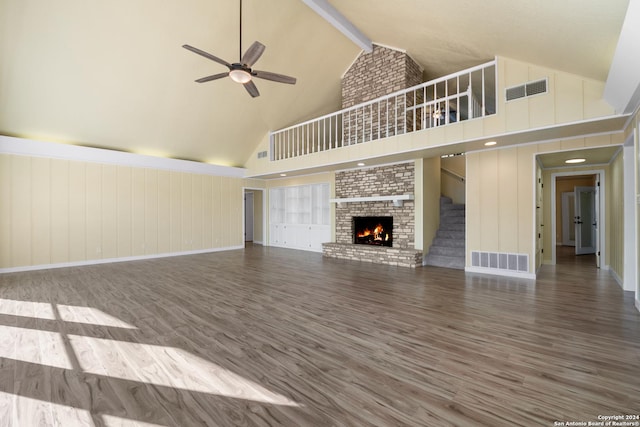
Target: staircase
<point x="448" y="248"/>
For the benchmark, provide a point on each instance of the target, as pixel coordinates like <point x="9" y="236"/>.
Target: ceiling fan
<point x="241" y="72"/>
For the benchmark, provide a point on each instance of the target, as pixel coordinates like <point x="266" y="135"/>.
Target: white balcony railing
<point x="465" y="95"/>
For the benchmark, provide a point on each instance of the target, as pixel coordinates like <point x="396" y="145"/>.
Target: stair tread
<point x="452" y="207"/>
<point x="447" y="251"/>
<point x="452" y="227"/>
<point x="453" y="213"/>
<point x="449" y="242"/>
<point x="445" y="261"/>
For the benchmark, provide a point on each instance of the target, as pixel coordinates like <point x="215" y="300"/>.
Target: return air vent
<point x="527" y="89"/>
<point x="500" y="261"/>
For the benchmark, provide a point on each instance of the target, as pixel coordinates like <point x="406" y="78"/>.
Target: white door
<point x="586" y="220"/>
<point x="568" y="214"/>
<point x="248" y="217"/>
<point x="596" y="222"/>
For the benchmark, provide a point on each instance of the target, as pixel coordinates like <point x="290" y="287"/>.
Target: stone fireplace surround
<point x="389" y="180"/>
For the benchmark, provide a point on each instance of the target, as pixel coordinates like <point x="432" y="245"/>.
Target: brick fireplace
<point x="383" y="182"/>
<point x="378" y="73"/>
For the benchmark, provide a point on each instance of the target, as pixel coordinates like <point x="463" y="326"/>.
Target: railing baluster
<point x="458" y="99"/>
<point x="483" y="94"/>
<point x="355" y="140"/>
<point x="349" y="140"/>
<point x="324" y="136"/>
<point x="446" y="102"/>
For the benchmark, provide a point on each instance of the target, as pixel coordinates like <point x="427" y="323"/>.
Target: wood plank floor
<point x="270" y="337"/>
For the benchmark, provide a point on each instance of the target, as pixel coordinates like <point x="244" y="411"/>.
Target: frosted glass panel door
<point x="320" y="204"/>
<point x="276" y="204"/>
<point x="586" y="222"/>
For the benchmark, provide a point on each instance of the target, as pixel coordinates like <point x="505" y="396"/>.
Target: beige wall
<point x="615" y="205"/>
<point x="427" y="202"/>
<point x="635" y="124"/>
<point x="61" y="211"/>
<point x="501" y="194"/>
<point x="500" y="205"/>
<point x="452" y="182"/>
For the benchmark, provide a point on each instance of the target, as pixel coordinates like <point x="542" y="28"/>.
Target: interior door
<point x="585" y="220"/>
<point x="596" y="222"/>
<point x="248" y="217"/>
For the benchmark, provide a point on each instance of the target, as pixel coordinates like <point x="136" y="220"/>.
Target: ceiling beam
<point x="335" y="18"/>
<point x="622" y="89"/>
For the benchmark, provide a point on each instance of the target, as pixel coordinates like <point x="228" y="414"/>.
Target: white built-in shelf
<point x="397" y="200"/>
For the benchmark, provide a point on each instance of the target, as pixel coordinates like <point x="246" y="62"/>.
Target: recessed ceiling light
<point x="575" y="161"/>
<point x="283" y="174"/>
<point x="360" y="164"/>
<point x="490" y="143"/>
<point x="446" y="156"/>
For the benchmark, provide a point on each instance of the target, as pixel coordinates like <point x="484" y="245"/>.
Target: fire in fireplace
<point x="373" y="230"/>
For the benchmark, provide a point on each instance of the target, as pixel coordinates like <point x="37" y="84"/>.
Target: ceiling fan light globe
<point x="239" y="76"/>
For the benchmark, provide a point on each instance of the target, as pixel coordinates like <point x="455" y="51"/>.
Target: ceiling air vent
<point x="527" y="89"/>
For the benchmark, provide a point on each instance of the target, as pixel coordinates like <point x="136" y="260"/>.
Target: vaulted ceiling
<point x="113" y="74"/>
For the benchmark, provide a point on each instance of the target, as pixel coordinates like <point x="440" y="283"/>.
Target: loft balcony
<point x="465" y="95"/>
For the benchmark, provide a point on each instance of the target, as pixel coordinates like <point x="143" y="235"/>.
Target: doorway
<point x="254" y="216"/>
<point x="577" y="205"/>
<point x="248" y="216"/>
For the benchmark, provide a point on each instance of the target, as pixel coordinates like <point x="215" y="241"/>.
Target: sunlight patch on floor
<point x="40" y="310"/>
<point x="169" y="367"/>
<point x="113" y="421"/>
<point x="34" y="346"/>
<point x="35" y="412"/>
<point x="90" y="316"/>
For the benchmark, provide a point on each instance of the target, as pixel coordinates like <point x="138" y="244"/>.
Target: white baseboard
<point x="258" y="242"/>
<point x="617" y="278"/>
<point x="111" y="260"/>
<point x="499" y="272"/>
<point x="638" y="304"/>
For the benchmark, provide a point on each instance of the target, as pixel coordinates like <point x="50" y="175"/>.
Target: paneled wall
<point x="501" y="193"/>
<point x="63" y="211"/>
<point x="615" y="204"/>
<point x="500" y="202"/>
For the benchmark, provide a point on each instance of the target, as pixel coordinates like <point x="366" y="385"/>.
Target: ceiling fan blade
<point x="280" y="78"/>
<point x="251" y="88"/>
<point x="213" y="77"/>
<point x="252" y="54"/>
<point x="207" y="55"/>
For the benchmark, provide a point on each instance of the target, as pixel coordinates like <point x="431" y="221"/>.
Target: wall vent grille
<point x="262" y="154"/>
<point x="500" y="261"/>
<point x="527" y="89"/>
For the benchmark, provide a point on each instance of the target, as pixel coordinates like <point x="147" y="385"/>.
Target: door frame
<point x="264" y="215"/>
<point x="601" y="211"/>
<point x="248" y="215"/>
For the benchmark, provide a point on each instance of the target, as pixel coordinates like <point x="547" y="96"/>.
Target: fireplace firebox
<point x="373" y="230"/>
